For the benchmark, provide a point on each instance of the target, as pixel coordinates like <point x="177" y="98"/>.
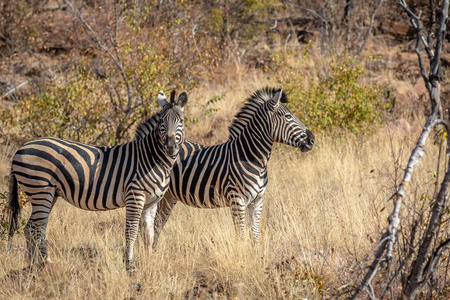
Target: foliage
<point x="70" y="109"/>
<point x="207" y="109"/>
<point x="337" y="100"/>
<point x="13" y="17"/>
<point x="87" y="108"/>
<point x="99" y="100"/>
<point x="239" y="22"/>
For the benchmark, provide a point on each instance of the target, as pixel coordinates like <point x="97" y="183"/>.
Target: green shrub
<point x="70" y="109"/>
<point x="338" y="101"/>
<point x="100" y="100"/>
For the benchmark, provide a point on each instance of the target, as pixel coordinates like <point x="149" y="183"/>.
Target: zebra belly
<point x="92" y="204"/>
<point x="211" y="196"/>
<point x="217" y="193"/>
<point x="215" y="196"/>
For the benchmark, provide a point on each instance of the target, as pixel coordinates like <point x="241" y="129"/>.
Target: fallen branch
<point x="14" y="89"/>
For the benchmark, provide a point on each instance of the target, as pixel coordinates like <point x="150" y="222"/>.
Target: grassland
<point x="324" y="210"/>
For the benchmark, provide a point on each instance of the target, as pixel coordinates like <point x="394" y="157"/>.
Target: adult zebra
<point x="134" y="175"/>
<point x="233" y="173"/>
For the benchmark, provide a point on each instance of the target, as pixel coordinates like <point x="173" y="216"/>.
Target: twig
<point x="194" y="31"/>
<point x="287" y="40"/>
<point x="24" y="48"/>
<point x="369" y="30"/>
<point x="274" y="25"/>
<point x="14" y="89"/>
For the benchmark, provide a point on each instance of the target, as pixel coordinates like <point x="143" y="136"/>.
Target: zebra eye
<point x="288" y="117"/>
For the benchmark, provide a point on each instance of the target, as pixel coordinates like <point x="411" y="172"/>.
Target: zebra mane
<point x="250" y="107"/>
<point x="241" y="119"/>
<point x="147" y="126"/>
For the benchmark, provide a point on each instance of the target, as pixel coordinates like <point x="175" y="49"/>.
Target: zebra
<point x="134" y="175"/>
<point x="234" y="173"/>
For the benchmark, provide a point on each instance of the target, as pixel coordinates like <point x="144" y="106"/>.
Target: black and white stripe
<point x="134" y="175"/>
<point x="234" y="173"/>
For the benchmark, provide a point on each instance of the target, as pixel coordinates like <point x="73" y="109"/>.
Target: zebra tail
<point x="13" y="207"/>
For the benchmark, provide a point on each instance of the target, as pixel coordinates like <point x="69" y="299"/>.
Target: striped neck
<point x="251" y="108"/>
<point x="255" y="141"/>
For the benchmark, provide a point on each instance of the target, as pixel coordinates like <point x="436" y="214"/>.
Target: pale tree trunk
<point x="429" y="250"/>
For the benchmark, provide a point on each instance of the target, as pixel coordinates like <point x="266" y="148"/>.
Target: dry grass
<point x="323" y="210"/>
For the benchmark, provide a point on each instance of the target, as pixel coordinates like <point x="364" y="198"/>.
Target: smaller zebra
<point x="135" y="175"/>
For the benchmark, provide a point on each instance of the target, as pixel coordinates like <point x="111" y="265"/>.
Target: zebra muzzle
<point x="171" y="147"/>
<point x="308" y="143"/>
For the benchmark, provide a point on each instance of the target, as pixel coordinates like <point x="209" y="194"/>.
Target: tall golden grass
<point x="323" y="210"/>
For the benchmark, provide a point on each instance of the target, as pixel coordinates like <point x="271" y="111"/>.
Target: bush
<point x="339" y="100"/>
<point x="128" y="61"/>
<point x="70" y="109"/>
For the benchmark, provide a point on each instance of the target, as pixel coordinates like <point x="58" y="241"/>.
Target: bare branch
<point x="369" y="30"/>
<point x="24" y="48"/>
<point x="91" y="33"/>
<point x="14" y="89"/>
<point x="416" y="278"/>
<point x="113" y="55"/>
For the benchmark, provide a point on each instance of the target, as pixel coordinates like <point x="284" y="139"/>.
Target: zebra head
<point x="286" y="128"/>
<point x="171" y="121"/>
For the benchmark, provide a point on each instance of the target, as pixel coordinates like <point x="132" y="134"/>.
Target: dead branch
<point x="24" y="48"/>
<point x="384" y="253"/>
<point x="113" y="55"/>
<point x="14" y="89"/>
<point x="420" y="271"/>
<point x="369" y="30"/>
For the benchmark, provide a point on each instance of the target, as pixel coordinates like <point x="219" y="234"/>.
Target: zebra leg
<point x="238" y="212"/>
<point x="42" y="203"/>
<point x="134" y="205"/>
<point x="165" y="207"/>
<point x="255" y="210"/>
<point x="147" y="223"/>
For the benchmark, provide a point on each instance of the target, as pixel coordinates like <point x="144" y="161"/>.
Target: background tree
<point x="417" y="260"/>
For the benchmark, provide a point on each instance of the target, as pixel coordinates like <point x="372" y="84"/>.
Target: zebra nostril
<point x="171" y="148"/>
<point x="310" y="136"/>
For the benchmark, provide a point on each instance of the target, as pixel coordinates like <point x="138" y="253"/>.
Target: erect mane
<point x="147" y="126"/>
<point x="241" y="119"/>
<point x="250" y="107"/>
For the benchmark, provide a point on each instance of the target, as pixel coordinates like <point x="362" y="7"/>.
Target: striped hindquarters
<point x="88" y="177"/>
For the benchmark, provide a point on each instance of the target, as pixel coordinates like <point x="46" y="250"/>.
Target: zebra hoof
<point x="48" y="267"/>
<point x="131" y="269"/>
<point x="131" y="266"/>
<point x="45" y="268"/>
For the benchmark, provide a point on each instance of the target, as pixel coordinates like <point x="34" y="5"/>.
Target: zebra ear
<point x="275" y="101"/>
<point x="162" y="100"/>
<point x="182" y="99"/>
<point x="173" y="93"/>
